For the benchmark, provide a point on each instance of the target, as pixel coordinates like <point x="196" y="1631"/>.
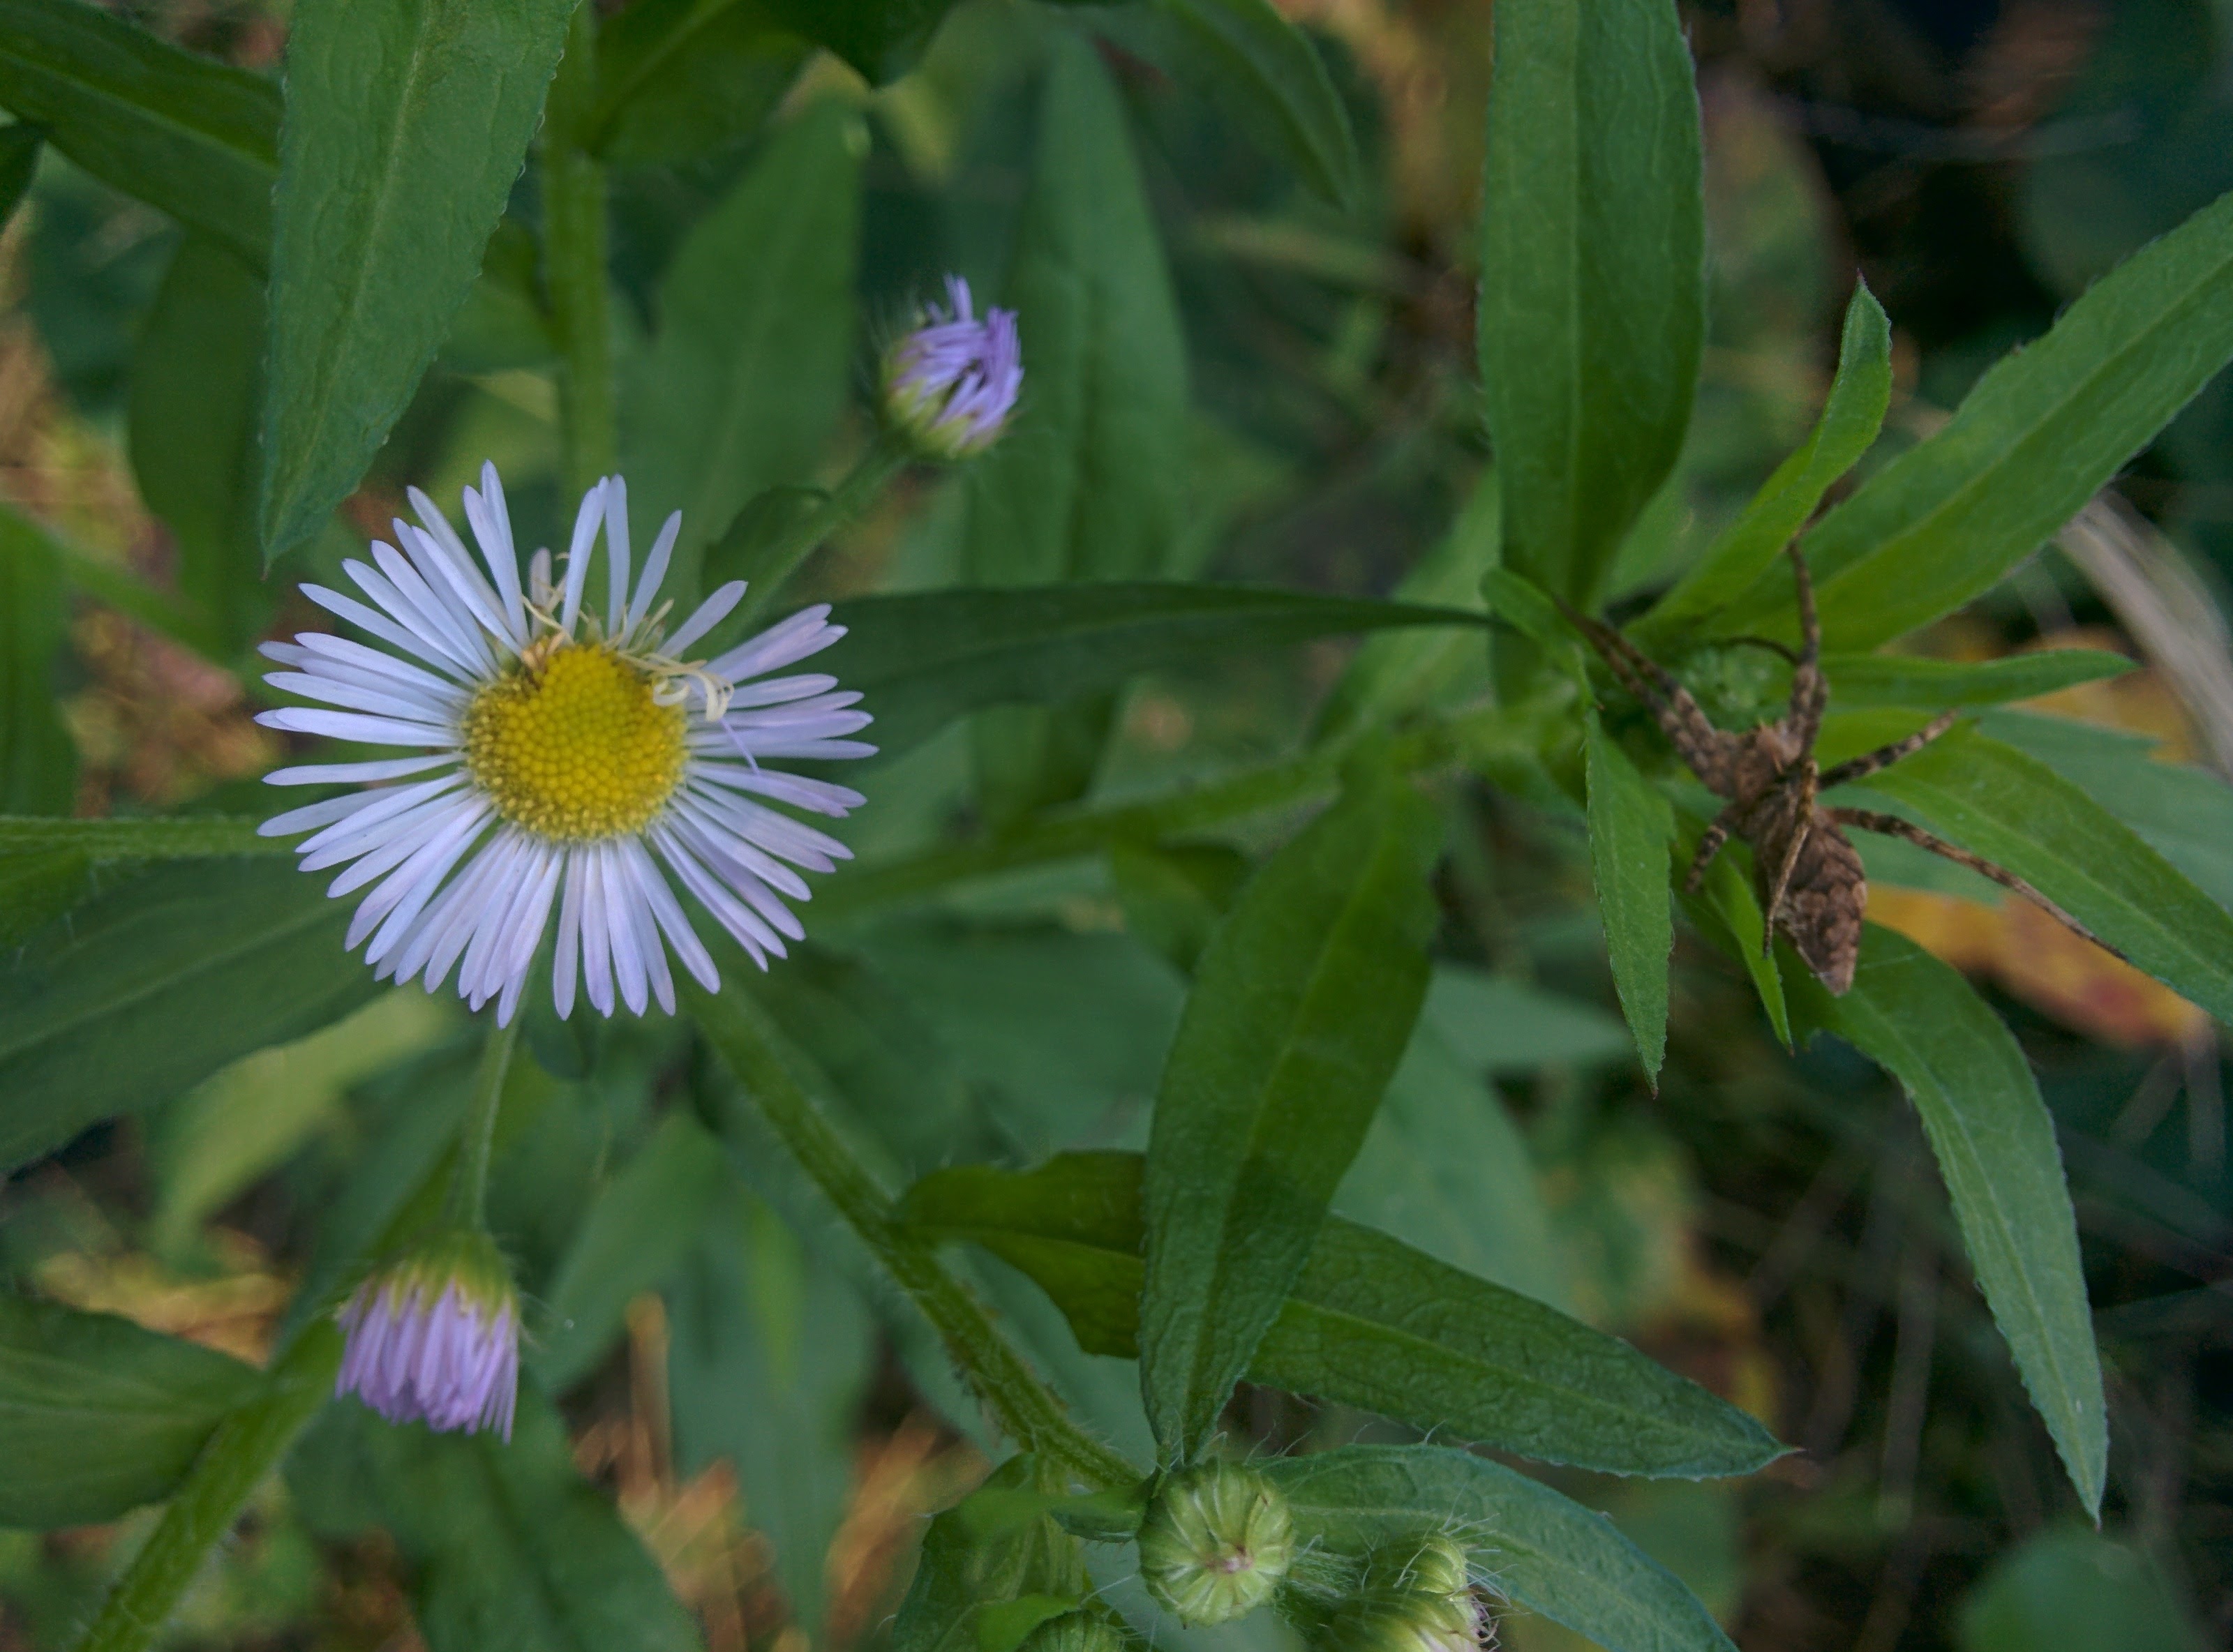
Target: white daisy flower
<point x="565" y="759"/>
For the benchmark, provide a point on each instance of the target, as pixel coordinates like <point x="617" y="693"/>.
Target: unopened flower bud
<point x="1216" y="1541"/>
<point x="433" y="1336"/>
<point x="1083" y="1632"/>
<point x="950" y="384"/>
<point x="1411" y="1597"/>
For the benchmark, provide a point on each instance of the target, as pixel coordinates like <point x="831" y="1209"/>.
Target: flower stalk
<point x="770" y="571"/>
<point x="1026" y="1409"/>
<point x="574" y="259"/>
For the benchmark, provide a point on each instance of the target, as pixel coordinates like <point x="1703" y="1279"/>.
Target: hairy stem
<point x="1026" y="1409"/>
<point x="244" y="1447"/>
<point x="574" y="259"/>
<point x="477" y="1136"/>
<point x="771" y="569"/>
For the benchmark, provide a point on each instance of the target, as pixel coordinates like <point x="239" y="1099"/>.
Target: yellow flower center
<point x="571" y="746"/>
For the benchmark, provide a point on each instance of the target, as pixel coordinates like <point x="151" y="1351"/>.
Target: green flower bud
<point x="1410" y="1597"/>
<point x="1077" y="1632"/>
<point x="1215" y="1543"/>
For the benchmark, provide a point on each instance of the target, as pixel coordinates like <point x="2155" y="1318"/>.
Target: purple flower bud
<point x="434" y="1338"/>
<point x="951" y="384"/>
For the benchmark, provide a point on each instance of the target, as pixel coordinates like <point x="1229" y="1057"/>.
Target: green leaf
<point x="770" y="1354"/>
<point x="973" y="1567"/>
<point x="758" y="295"/>
<point x="98" y="1416"/>
<point x="196" y="382"/>
<point x="19" y="164"/>
<point x="38" y="762"/>
<point x="189" y="136"/>
<point x="1858" y="680"/>
<point x="1496" y="1024"/>
<point x="1445" y="1169"/>
<point x="678" y="79"/>
<point x="1851" y="414"/>
<point x="106" y="582"/>
<point x="1302" y="1006"/>
<point x="1089" y="481"/>
<point x="187" y="838"/>
<point x="2185" y="813"/>
<point x="1630" y="826"/>
<point x="1174" y="895"/>
<point x="642" y="1225"/>
<point x="505" y="1543"/>
<point x="1726" y="912"/>
<point x="1247" y="56"/>
<point x="151" y="988"/>
<point x="1541" y="1549"/>
<point x="37" y="888"/>
<point x="2013" y="808"/>
<point x="1389" y="676"/>
<point x="2039" y="434"/>
<point x="2077" y="1591"/>
<point x="1370" y="1322"/>
<point x="923" y="659"/>
<point x="1593" y="297"/>
<point x="406" y="123"/>
<point x="1918" y="1019"/>
<point x="882" y="38"/>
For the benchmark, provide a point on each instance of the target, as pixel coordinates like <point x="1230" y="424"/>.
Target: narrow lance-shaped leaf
<point x="2045" y="428"/>
<point x="1301" y="1007"/>
<point x="406" y="123"/>
<point x="189" y="136"/>
<point x="747" y="373"/>
<point x="1996" y="1147"/>
<point x="2013" y="808"/>
<point x="1593" y="299"/>
<point x="1087" y="481"/>
<point x="1865" y="680"/>
<point x="157" y="985"/>
<point x="196" y="377"/>
<point x="1630" y="825"/>
<point x="19" y="163"/>
<point x="1541" y="1549"/>
<point x="1243" y="54"/>
<point x="1370" y="1322"/>
<point x="503" y="1542"/>
<point x="1852" y="415"/>
<point x="97" y="1415"/>
<point x="38" y="762"/>
<point x="923" y="659"/>
<point x="635" y="1233"/>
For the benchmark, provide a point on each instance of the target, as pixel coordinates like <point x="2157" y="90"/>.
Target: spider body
<point x="1806" y="871"/>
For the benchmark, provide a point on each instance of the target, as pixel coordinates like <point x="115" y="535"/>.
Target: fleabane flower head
<point x="1411" y="1597"/>
<point x="434" y="1338"/>
<point x="566" y="759"/>
<point x="951" y="384"/>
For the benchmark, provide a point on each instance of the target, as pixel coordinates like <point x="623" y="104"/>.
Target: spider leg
<point x="1884" y="756"/>
<point x="1809" y="692"/>
<point x="1786" y="865"/>
<point x="1693" y="737"/>
<point x="1892" y="826"/>
<point x="1710" y="845"/>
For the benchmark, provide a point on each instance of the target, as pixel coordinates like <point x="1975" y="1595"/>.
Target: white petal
<point x="348" y="725"/>
<point x="617" y="556"/>
<point x="435" y="825"/>
<point x="778" y="834"/>
<point x="577" y="557"/>
<point x="322" y="774"/>
<point x="801" y="792"/>
<point x="596" y="942"/>
<point x="492" y="527"/>
<point x="667" y="911"/>
<point x="620" y="902"/>
<point x="379" y="625"/>
<point x="372" y="663"/>
<point x="710" y="611"/>
<point x="440" y="562"/>
<point x="333" y="691"/>
<point x="710" y="833"/>
<point x="405" y="894"/>
<point x="384" y="804"/>
<point x="310" y="816"/>
<point x="741" y="878"/>
<point x="655" y="567"/>
<point x="742" y="923"/>
<point x="565" y="965"/>
<point x="803" y="634"/>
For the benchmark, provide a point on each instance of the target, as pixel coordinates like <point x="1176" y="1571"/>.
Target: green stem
<point x="768" y="571"/>
<point x="574" y="259"/>
<point x="243" y="1449"/>
<point x="477" y="1136"/>
<point x="1026" y="1409"/>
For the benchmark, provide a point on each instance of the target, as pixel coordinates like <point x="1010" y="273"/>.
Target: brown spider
<point x="1805" y="869"/>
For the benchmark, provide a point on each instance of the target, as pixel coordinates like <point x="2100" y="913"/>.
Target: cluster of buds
<point x="951" y="383"/>
<point x="433" y="1336"/>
